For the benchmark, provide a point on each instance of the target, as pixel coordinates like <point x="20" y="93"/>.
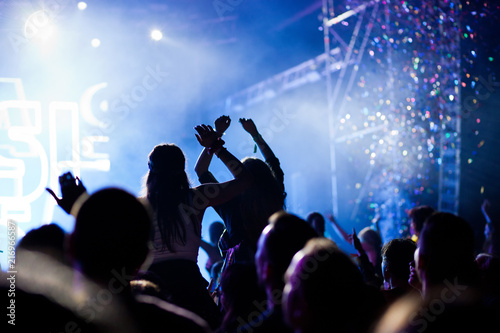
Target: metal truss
<point x="307" y="72"/>
<point x="337" y="60"/>
<point x="333" y="60"/>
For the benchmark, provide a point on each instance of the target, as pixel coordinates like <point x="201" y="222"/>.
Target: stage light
<point x="82" y="5"/>
<point x="156" y="35"/>
<point x="95" y="42"/>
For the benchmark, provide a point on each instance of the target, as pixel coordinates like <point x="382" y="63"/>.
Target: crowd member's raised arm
<point x="203" y="163"/>
<point x="491" y="242"/>
<point x="339" y="230"/>
<point x="217" y="193"/>
<point x="270" y="157"/>
<point x="71" y="190"/>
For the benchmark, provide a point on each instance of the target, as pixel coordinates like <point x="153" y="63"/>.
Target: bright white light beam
<point x="82" y="5"/>
<point x="156" y="35"/>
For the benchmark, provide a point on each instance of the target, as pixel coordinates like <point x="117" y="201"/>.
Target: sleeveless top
<point x="187" y="251"/>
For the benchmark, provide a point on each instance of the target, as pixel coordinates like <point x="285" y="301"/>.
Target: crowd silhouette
<point x="131" y="262"/>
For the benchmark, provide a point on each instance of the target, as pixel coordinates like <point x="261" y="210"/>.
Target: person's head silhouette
<point x="111" y="234"/>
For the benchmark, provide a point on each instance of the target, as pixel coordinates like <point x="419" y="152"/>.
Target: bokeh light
<point x="82" y="5"/>
<point x="95" y="42"/>
<point x="156" y="35"/>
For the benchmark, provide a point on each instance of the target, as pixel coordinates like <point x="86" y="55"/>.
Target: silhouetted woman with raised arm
<point x="246" y="215"/>
<point x="179" y="210"/>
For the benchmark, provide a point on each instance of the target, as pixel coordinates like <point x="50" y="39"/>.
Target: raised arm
<point x="205" y="158"/>
<point x="271" y="159"/>
<point x="249" y="126"/>
<point x="485" y="209"/>
<point x="71" y="189"/>
<point x="491" y="229"/>
<point x="488" y="227"/>
<point x="201" y="167"/>
<point x="338" y="229"/>
<point x="218" y="193"/>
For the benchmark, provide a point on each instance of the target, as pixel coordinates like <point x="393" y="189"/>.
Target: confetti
<point x="411" y="85"/>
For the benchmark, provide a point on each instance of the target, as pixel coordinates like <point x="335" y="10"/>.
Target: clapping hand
<point x="71" y="189"/>
<point x="206" y="136"/>
<point x="221" y="124"/>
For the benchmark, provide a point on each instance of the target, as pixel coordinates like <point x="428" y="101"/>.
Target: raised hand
<point x="343" y="234"/>
<point x="485" y="208"/>
<point x="71" y="189"/>
<point x="249" y="126"/>
<point x="206" y="136"/>
<point x="330" y="217"/>
<point x="221" y="124"/>
<point x="356" y="242"/>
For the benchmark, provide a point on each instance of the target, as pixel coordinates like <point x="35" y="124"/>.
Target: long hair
<point x="167" y="189"/>
<point x="265" y="197"/>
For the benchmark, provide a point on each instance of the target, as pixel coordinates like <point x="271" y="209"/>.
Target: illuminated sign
<point x="37" y="143"/>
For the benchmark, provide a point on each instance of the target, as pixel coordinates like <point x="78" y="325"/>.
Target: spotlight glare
<point x="95" y="42"/>
<point x="82" y="5"/>
<point x="47" y="33"/>
<point x="156" y="35"/>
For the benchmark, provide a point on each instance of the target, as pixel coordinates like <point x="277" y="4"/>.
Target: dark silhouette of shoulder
<point x="156" y="313"/>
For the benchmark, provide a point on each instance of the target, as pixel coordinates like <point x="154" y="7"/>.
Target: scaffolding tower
<point x="338" y="57"/>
